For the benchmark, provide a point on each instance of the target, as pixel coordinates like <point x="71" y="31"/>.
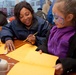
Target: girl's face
<point x="26" y="16"/>
<point x="59" y="18"/>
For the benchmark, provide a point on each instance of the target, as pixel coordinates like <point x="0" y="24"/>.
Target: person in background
<point x="61" y="40"/>
<point x="3" y="20"/>
<point x="41" y="14"/>
<point x="25" y="25"/>
<point x="50" y="15"/>
<point x="46" y="6"/>
<point x="11" y="19"/>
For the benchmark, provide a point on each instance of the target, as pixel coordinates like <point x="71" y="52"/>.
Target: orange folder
<point x="35" y="63"/>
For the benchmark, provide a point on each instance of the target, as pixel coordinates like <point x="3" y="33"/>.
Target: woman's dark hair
<point x="3" y="19"/>
<point x="19" y="6"/>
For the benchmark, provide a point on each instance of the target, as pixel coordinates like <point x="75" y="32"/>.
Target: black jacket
<point x="69" y="63"/>
<point x="18" y="30"/>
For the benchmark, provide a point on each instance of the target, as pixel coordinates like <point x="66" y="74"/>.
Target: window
<point x="38" y="3"/>
<point x="32" y="4"/>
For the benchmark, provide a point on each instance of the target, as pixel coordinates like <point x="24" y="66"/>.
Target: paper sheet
<point x="2" y="51"/>
<point x="34" y="57"/>
<point x="21" y="52"/>
<point x="32" y="62"/>
<point x="28" y="69"/>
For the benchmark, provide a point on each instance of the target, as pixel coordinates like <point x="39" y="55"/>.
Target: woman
<point x="24" y="26"/>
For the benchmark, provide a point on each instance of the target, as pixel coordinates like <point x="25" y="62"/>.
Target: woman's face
<point x="26" y="16"/>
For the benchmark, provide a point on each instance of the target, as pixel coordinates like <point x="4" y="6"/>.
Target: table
<point x="17" y="44"/>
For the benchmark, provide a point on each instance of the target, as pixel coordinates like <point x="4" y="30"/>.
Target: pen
<point x="27" y="38"/>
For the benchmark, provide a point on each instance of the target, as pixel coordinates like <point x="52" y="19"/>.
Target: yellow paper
<point x="34" y="57"/>
<point x="21" y="52"/>
<point x="2" y="51"/>
<point x="32" y="62"/>
<point x="28" y="69"/>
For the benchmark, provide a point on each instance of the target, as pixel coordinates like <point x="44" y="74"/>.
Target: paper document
<point x="21" y="52"/>
<point x="2" y="51"/>
<point x="43" y="59"/>
<point x="35" y="64"/>
<point x="28" y="69"/>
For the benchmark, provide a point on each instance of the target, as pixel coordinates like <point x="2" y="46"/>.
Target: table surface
<point x="17" y="44"/>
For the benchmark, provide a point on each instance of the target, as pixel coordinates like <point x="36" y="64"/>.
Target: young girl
<point x="62" y="37"/>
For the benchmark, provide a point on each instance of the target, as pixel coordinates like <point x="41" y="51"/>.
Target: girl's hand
<point x="58" y="69"/>
<point x="9" y="45"/>
<point x="40" y="51"/>
<point x="31" y="38"/>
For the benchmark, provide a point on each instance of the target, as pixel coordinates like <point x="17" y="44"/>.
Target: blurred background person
<point x="11" y="19"/>
<point x="46" y="6"/>
<point x="41" y="14"/>
<point x="50" y="15"/>
<point x="3" y="20"/>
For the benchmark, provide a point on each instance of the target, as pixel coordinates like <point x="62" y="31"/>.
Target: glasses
<point x="58" y="19"/>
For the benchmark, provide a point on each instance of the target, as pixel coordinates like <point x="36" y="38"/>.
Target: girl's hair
<point x="69" y="7"/>
<point x="3" y="18"/>
<point x="19" y="6"/>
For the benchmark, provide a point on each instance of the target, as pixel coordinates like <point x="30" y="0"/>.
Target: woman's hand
<point x="58" y="69"/>
<point x="31" y="38"/>
<point x="9" y="45"/>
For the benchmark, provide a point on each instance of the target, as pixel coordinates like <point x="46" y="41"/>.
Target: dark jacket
<point x="69" y="63"/>
<point x="49" y="15"/>
<point x="41" y="14"/>
<point x="18" y="30"/>
<point x="3" y="20"/>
